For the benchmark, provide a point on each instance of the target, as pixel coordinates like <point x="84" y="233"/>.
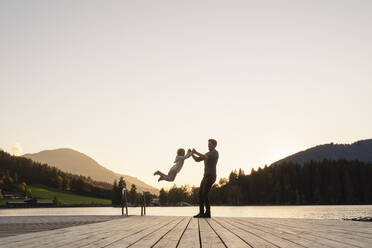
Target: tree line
<point x="324" y="182"/>
<point x="133" y="197"/>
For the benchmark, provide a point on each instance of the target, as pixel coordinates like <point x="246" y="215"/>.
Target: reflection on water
<point x="310" y="212"/>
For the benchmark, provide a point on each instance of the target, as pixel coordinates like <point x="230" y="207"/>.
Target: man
<point x="210" y="162"/>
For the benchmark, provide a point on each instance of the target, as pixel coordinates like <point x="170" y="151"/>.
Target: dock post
<point x="143" y="204"/>
<point x="124" y="202"/>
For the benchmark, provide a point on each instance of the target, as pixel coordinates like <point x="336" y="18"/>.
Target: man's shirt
<point x="210" y="163"/>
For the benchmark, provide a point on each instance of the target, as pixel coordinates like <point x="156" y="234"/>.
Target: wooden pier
<point x="166" y="231"/>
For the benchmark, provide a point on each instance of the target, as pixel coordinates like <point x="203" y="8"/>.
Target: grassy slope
<point x="43" y="193"/>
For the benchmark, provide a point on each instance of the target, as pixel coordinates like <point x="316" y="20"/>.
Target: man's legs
<point x="201" y="200"/>
<point x="209" y="180"/>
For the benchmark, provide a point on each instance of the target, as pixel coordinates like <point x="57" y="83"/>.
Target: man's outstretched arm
<point x="197" y="159"/>
<point x="203" y="156"/>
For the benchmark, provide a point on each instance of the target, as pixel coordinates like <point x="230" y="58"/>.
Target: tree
<point x="114" y="199"/>
<point x="60" y="182"/>
<point x="148" y="197"/>
<point x="194" y="195"/>
<point x="122" y="184"/>
<point x="66" y="183"/>
<point x="222" y="181"/>
<point x="163" y="197"/>
<point x="119" y="191"/>
<point x="133" y="194"/>
<point x="8" y="178"/>
<point x="233" y="176"/>
<point x="22" y="187"/>
<point x="29" y="192"/>
<point x="176" y="195"/>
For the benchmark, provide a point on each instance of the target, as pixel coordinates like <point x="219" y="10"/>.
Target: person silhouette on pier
<point x="210" y="161"/>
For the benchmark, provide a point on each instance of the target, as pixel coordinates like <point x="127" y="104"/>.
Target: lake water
<point x="310" y="212"/>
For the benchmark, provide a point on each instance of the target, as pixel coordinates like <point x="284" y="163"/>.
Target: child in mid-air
<point x="178" y="163"/>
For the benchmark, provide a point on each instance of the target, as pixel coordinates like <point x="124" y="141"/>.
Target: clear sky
<point x="130" y="82"/>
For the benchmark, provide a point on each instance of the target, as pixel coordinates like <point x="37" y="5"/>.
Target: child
<point x="178" y="163"/>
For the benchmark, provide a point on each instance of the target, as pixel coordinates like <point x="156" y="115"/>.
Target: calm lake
<point x="310" y="212"/>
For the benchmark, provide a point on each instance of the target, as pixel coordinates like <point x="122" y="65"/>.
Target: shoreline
<point x="365" y="219"/>
<point x="115" y="206"/>
<point x="61" y="206"/>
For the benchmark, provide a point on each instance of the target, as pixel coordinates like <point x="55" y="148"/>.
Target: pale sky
<point x="130" y="82"/>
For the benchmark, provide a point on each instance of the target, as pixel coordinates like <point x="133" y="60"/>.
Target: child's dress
<point x="178" y="163"/>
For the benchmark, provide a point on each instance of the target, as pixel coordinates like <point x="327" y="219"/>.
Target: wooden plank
<point x="354" y="225"/>
<point x="327" y="237"/>
<point x="154" y="237"/>
<point x="78" y="235"/>
<point x="288" y="234"/>
<point x="33" y="239"/>
<point x="267" y="235"/>
<point x="172" y="238"/>
<point x="130" y="240"/>
<point x="343" y="227"/>
<point x="19" y="238"/>
<point x="365" y="227"/>
<point x="208" y="236"/>
<point x="14" y="243"/>
<point x="327" y="240"/>
<point x="101" y="234"/>
<point x="190" y="238"/>
<point x="229" y="238"/>
<point x="39" y="239"/>
<point x="250" y="238"/>
<point x="15" y="225"/>
<point x="128" y="235"/>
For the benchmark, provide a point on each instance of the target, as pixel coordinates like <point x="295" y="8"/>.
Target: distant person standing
<point x="210" y="162"/>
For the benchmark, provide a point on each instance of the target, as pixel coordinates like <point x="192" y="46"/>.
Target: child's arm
<point x="189" y="152"/>
<point x="186" y="156"/>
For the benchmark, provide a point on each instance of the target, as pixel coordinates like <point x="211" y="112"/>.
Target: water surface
<point x="310" y="212"/>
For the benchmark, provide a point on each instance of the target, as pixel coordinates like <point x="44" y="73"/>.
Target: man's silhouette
<point x="210" y="162"/>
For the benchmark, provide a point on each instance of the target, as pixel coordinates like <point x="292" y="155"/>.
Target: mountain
<point x="360" y="150"/>
<point x="69" y="160"/>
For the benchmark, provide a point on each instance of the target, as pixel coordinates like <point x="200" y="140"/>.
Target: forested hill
<point x="360" y="150"/>
<point x="71" y="161"/>
<point x="15" y="169"/>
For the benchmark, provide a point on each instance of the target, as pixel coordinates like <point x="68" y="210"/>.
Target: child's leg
<point x="159" y="173"/>
<point x="162" y="174"/>
<point x="170" y="177"/>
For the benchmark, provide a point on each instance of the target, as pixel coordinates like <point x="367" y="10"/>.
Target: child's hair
<point x="181" y="152"/>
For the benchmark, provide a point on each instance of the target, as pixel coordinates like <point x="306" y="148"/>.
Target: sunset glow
<point x="129" y="83"/>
